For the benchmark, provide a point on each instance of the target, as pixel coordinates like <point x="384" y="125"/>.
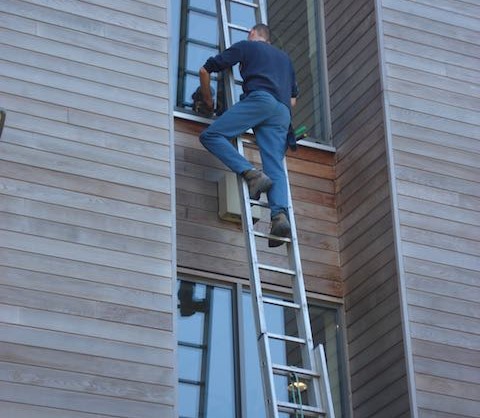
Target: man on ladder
<point x="269" y="90"/>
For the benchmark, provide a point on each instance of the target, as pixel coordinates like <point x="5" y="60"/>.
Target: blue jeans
<point x="270" y="120"/>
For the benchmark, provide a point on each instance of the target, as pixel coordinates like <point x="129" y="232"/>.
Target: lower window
<point x="219" y="371"/>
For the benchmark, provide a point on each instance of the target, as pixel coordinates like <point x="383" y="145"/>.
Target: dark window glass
<point x="297" y="28"/>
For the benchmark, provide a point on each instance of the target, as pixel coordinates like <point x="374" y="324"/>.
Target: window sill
<point x="207" y="121"/>
<point x="316" y="145"/>
<point x="194" y="118"/>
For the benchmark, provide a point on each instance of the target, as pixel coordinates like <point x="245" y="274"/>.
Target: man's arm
<point x="293" y="101"/>
<point x="205" y="87"/>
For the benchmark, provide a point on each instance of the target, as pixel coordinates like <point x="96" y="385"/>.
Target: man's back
<point x="262" y="67"/>
<point x="265" y="67"/>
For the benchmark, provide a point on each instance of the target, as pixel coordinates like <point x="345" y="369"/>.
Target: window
<point x="205" y="350"/>
<point x="297" y="27"/>
<point x="219" y="371"/>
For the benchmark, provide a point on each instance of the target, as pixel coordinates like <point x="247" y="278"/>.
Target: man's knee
<point x="209" y="138"/>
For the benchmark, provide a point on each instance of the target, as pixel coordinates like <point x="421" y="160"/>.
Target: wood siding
<point x="85" y="221"/>
<point x="432" y="65"/>
<point x="209" y="245"/>
<point x="366" y="242"/>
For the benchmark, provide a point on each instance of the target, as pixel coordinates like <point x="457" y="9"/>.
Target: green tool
<point x="301" y="132"/>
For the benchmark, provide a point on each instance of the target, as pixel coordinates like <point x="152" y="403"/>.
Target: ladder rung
<point x="248" y="141"/>
<point x="245" y="3"/>
<point x="286" y="338"/>
<point x="270" y="236"/>
<point x="277" y="269"/>
<point x="259" y="203"/>
<point x="309" y="411"/>
<point x="238" y="27"/>
<point x="286" y="370"/>
<point x="281" y="302"/>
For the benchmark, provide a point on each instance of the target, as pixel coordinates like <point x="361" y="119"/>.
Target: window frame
<point x="183" y="113"/>
<point x="238" y="288"/>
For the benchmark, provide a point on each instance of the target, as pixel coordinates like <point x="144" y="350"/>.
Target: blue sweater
<point x="262" y="67"/>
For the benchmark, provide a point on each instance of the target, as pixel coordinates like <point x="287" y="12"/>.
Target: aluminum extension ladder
<point x="313" y="370"/>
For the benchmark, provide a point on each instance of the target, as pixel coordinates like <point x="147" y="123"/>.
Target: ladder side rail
<point x="251" y="247"/>
<point x="262" y="12"/>
<point x="246" y="209"/>
<point x="298" y="285"/>
<point x="225" y="42"/>
<point x="299" y="297"/>
<point x="263" y="343"/>
<point x="321" y="360"/>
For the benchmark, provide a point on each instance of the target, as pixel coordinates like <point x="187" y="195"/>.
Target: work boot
<point x="258" y="182"/>
<point x="280" y="228"/>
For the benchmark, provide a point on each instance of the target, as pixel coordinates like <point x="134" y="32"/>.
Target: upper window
<point x="219" y="369"/>
<point x="296" y="27"/>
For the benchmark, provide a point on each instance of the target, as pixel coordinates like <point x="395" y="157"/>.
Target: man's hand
<point x="205" y="87"/>
<point x="209" y="103"/>
<point x="200" y="105"/>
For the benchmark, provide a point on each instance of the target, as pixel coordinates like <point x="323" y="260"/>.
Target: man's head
<point x="259" y="32"/>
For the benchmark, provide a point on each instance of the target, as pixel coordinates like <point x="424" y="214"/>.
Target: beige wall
<point x="432" y="79"/>
<point x="86" y="221"/>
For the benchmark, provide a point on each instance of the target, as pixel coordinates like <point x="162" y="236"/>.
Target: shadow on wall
<point x="3" y="116"/>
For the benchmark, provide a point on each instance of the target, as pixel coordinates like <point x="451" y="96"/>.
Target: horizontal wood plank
<point x="90" y="384"/>
<point x="86" y="288"/>
<point x="89" y="308"/>
<point x="58" y="398"/>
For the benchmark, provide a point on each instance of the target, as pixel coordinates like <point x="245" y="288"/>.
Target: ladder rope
<point x="297" y="391"/>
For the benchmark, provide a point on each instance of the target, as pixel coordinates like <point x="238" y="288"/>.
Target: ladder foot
<point x="272" y="243"/>
<point x="280" y="228"/>
<point x="258" y="182"/>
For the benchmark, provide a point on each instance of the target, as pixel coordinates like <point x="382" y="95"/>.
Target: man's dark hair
<point x="263" y="30"/>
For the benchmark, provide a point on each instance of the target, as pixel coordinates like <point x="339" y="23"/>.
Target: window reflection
<point x="237" y="35"/>
<point x="297" y="28"/>
<point x="208" y="5"/>
<point x="209" y="350"/>
<point x="198" y="34"/>
<point x="202" y="27"/>
<point x="325" y="329"/>
<point x="241" y="15"/>
<point x="197" y="55"/>
<point x="281" y="320"/>
<point x="205" y="352"/>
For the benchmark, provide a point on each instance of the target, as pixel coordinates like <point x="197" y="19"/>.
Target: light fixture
<point x="297" y="386"/>
<point x="3" y="116"/>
